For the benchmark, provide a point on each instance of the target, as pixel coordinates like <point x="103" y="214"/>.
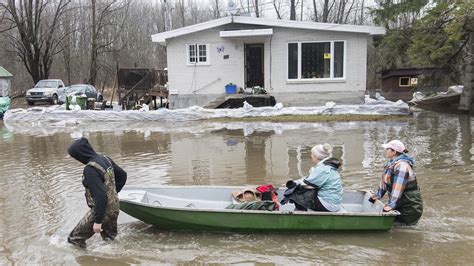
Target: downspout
<point x="270" y="70"/>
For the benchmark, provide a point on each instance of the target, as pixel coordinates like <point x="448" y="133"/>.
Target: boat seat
<point x="342" y="210"/>
<point x="133" y="195"/>
<point x="351" y="207"/>
<point x="291" y="207"/>
<point x="167" y="201"/>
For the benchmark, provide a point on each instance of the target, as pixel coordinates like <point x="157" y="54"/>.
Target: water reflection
<point x="41" y="197"/>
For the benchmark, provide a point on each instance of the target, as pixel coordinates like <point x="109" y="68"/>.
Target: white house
<point x="300" y="63"/>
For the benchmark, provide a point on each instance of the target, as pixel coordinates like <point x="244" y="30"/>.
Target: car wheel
<point x="54" y="100"/>
<point x="30" y="103"/>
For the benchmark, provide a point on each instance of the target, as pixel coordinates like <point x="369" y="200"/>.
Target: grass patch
<point x="311" y="118"/>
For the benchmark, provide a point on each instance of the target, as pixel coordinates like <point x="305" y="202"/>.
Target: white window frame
<point x="400" y="81"/>
<point x="331" y="71"/>
<point x="198" y="63"/>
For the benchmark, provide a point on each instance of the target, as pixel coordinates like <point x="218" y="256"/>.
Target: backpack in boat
<point x="304" y="197"/>
<point x="269" y="194"/>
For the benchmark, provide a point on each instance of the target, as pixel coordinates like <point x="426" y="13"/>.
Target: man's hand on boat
<point x="97" y="228"/>
<point x="373" y="198"/>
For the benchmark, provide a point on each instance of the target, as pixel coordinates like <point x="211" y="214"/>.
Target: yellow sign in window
<point x="327" y="56"/>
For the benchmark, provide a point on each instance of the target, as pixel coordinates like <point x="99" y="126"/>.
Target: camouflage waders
<point x="83" y="229"/>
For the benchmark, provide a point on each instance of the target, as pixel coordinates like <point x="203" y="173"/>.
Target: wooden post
<point x="466" y="96"/>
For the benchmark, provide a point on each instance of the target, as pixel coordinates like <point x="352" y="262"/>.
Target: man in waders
<point x="102" y="179"/>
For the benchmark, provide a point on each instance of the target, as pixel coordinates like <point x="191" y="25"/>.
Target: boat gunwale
<point x="392" y="213"/>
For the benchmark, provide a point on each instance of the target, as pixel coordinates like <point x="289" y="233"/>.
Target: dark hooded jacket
<point x="82" y="151"/>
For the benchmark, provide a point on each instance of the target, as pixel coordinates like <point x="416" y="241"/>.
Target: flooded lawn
<point x="41" y="196"/>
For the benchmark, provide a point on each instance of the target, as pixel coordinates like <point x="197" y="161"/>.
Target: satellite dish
<point x="232" y="7"/>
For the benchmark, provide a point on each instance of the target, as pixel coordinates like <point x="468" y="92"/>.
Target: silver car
<point x="46" y="90"/>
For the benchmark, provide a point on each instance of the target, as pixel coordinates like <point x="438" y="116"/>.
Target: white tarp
<point x="55" y="114"/>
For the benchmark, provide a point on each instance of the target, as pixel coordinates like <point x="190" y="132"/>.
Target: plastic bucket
<point x="231" y="89"/>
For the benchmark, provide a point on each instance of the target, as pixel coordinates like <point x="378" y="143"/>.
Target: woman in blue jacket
<point x="321" y="190"/>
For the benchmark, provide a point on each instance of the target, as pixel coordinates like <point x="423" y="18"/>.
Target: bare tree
<point x="277" y="6"/>
<point x="327" y="9"/>
<point x="292" y="10"/>
<point x="215" y="7"/>
<point x="315" y="11"/>
<point x="257" y="14"/>
<point x="180" y="6"/>
<point x="362" y="9"/>
<point x="67" y="49"/>
<point x="36" y="39"/>
<point x="302" y="6"/>
<point x="106" y="26"/>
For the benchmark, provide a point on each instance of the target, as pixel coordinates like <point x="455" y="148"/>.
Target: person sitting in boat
<point x="400" y="182"/>
<point x="322" y="189"/>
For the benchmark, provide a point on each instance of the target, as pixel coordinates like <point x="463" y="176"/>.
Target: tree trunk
<point x="315" y="9"/>
<point x="183" y="13"/>
<point x="277" y="9"/>
<point x="217" y="13"/>
<point x="325" y="10"/>
<point x="93" y="69"/>
<point x="341" y="9"/>
<point x="466" y="96"/>
<point x="67" y="52"/>
<point x="301" y="17"/>
<point x="292" y="10"/>
<point x="362" y="8"/>
<point x="257" y="14"/>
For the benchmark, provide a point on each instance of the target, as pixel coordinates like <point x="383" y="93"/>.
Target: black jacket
<point x="82" y="151"/>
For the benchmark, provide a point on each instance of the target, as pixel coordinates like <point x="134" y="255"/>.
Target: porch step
<point x="218" y="101"/>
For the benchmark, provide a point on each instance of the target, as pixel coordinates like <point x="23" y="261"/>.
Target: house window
<point x="404" y="82"/>
<point x="338" y="59"/>
<point x="292" y="60"/>
<point x="316" y="60"/>
<point x="198" y="54"/>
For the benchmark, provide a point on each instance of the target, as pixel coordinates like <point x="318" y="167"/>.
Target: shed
<point x="5" y="82"/>
<point x="401" y="83"/>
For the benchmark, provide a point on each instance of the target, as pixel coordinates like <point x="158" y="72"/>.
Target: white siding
<point x="204" y="79"/>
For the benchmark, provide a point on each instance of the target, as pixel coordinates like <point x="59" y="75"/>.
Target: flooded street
<point x="42" y="198"/>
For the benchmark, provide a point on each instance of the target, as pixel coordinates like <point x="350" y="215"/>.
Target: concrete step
<point x="218" y="101"/>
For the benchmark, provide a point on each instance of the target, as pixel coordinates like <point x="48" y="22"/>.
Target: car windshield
<point x="76" y="88"/>
<point x="46" y="84"/>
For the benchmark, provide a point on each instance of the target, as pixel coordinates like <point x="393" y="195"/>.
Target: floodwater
<point x="41" y="196"/>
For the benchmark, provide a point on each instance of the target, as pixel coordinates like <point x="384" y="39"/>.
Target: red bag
<point x="269" y="189"/>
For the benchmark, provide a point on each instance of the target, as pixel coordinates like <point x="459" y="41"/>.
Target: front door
<point x="254" y="65"/>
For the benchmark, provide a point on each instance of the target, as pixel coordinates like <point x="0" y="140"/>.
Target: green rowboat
<point x="202" y="208"/>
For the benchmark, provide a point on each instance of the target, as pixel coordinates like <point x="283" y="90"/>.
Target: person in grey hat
<point x="321" y="190"/>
